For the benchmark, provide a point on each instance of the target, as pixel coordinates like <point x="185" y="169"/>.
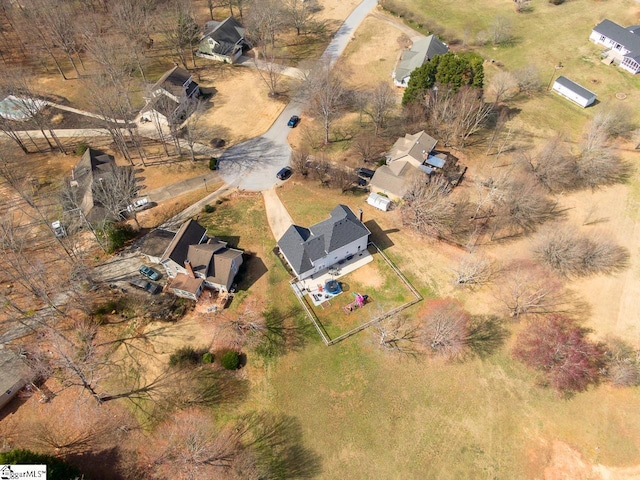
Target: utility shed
<point x="574" y="92"/>
<point x="379" y="202"/>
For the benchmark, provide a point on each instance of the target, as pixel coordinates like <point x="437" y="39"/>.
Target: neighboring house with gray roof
<point x="13" y="375"/>
<point x="155" y="243"/>
<point x="171" y="97"/>
<point x="408" y="158"/>
<point x="310" y="250"/>
<point x="194" y="261"/>
<point x="623" y="44"/>
<point x="223" y="41"/>
<point x="574" y="92"/>
<point x="420" y="53"/>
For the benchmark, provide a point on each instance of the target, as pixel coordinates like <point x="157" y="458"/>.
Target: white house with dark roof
<point x="193" y="261"/>
<point x="411" y="156"/>
<point x="223" y="41"/>
<point x="623" y="44"/>
<point x="311" y="250"/>
<point x="574" y="92"/>
<point x="420" y="53"/>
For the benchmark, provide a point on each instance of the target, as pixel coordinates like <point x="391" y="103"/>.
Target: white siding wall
<point x="337" y="255"/>
<point x="574" y="97"/>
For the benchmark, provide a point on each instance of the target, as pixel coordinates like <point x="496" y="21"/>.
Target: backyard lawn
<point x="377" y="280"/>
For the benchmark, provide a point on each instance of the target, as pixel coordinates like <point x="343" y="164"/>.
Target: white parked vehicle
<point x="139" y="204"/>
<point x="58" y="229"/>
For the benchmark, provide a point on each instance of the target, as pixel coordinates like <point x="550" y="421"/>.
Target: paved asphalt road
<point x="252" y="165"/>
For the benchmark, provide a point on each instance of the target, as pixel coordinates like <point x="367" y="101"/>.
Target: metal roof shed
<point x="379" y="202"/>
<point x="574" y="92"/>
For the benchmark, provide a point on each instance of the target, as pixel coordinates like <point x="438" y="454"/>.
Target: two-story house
<point x="623" y="44"/>
<point x="171" y="97"/>
<point x="310" y="250"/>
<point x="223" y="41"/>
<point x="409" y="157"/>
<point x="194" y="261"/>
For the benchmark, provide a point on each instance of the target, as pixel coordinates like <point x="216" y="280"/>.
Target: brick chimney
<point x="187" y="265"/>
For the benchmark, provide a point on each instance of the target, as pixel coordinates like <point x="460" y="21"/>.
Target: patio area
<point x="314" y="286"/>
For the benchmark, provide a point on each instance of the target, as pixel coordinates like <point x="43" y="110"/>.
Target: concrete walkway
<point x="277" y="215"/>
<point x="82" y="112"/>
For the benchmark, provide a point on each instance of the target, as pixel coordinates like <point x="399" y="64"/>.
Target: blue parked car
<point x="293" y="121"/>
<point x="149" y="272"/>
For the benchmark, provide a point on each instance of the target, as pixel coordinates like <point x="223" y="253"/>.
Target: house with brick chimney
<point x="325" y="244"/>
<point x="193" y="261"/>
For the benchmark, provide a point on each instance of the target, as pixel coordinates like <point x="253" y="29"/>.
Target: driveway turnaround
<point x="252" y="165"/>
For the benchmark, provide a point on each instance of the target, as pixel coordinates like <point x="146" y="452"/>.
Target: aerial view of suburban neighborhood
<point x="320" y="239"/>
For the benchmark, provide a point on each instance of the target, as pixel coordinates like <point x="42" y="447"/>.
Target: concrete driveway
<point x="277" y="215"/>
<point x="252" y="165"/>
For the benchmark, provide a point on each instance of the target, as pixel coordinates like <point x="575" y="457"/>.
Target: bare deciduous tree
<point x="431" y="210"/>
<point x="527" y="289"/>
<point x="502" y="86"/>
<point x="380" y="103"/>
<point x="115" y="190"/>
<point x="528" y="79"/>
<point x="271" y="74"/>
<point x="553" y="166"/>
<point x="521" y="207"/>
<point x="182" y="32"/>
<point x="326" y="95"/>
<point x="343" y="178"/>
<point x="398" y="335"/>
<point x="597" y="162"/>
<point x="299" y="13"/>
<point x="623" y="364"/>
<point x="473" y="270"/>
<point x="572" y="253"/>
<point x="300" y="162"/>
<point x="265" y="21"/>
<point x="445" y="330"/>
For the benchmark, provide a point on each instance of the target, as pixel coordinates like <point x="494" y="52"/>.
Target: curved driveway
<point x="252" y="165"/>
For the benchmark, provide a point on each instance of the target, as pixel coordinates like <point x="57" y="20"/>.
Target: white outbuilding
<point x="574" y="92"/>
<point x="379" y="202"/>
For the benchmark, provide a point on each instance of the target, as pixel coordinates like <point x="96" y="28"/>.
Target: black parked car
<point x="284" y="173"/>
<point x="151" y="287"/>
<point x="364" y="172"/>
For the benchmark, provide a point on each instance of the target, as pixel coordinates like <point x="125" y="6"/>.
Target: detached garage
<point x="379" y="202"/>
<point x="574" y="92"/>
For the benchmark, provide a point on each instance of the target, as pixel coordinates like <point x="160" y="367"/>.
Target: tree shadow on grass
<point x="276" y="440"/>
<point x="486" y="335"/>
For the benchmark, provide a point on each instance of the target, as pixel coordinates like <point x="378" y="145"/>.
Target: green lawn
<point x="373" y="416"/>
<point x="546" y="36"/>
<point x="377" y="280"/>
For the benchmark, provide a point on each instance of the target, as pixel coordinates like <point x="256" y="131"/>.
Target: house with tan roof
<point x="193" y="261"/>
<point x="411" y="156"/>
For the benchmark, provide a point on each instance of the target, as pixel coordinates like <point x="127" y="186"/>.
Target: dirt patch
<point x="368" y="276"/>
<point x="566" y="462"/>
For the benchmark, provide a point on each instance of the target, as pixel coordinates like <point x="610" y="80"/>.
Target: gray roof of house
<point x="303" y="246"/>
<point x="155" y="243"/>
<point x="421" y="51"/>
<point x="190" y="233"/>
<point x="177" y="81"/>
<point x="574" y="87"/>
<point x="226" y="33"/>
<point x="12" y="369"/>
<point x="628" y="37"/>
